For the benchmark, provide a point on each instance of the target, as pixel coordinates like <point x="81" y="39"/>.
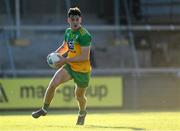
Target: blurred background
<point x="137" y="41"/>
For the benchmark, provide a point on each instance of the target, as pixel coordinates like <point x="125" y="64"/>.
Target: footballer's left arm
<point x="84" y="56"/>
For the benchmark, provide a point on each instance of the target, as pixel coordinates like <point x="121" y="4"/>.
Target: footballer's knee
<point x="52" y="86"/>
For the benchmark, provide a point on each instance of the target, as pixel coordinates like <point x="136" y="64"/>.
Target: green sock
<point x="82" y="112"/>
<point x="45" y="106"/>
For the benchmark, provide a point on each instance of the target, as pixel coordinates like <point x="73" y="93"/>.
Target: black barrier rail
<point x="170" y="27"/>
<point x="95" y="72"/>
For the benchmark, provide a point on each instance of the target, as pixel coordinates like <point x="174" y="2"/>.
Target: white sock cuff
<point x="44" y="110"/>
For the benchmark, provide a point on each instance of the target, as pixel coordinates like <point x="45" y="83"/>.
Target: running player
<point x="76" y="66"/>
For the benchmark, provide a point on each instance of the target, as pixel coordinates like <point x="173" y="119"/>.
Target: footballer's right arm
<point x="63" y="48"/>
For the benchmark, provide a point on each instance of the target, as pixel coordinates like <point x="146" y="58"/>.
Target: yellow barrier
<point x="25" y="93"/>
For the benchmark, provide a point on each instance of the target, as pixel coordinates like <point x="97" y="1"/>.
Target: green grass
<point x="105" y="121"/>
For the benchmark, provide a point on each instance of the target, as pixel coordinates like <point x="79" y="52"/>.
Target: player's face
<point x="74" y="22"/>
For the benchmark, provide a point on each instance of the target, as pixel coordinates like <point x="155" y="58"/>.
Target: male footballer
<point x="76" y="66"/>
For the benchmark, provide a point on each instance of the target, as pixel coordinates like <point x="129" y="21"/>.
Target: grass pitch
<point x="98" y="121"/>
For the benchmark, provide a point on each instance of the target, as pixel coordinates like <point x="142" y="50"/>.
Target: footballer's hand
<point x="60" y="63"/>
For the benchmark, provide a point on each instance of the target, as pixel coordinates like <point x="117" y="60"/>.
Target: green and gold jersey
<point x="75" y="40"/>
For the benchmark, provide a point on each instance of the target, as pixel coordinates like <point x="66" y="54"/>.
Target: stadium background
<point x="135" y="41"/>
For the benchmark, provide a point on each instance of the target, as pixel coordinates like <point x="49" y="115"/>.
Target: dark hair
<point x="74" y="11"/>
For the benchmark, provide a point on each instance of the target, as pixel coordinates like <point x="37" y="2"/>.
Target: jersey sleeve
<point x="85" y="40"/>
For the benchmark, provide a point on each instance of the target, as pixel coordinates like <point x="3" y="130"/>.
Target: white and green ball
<point x="52" y="59"/>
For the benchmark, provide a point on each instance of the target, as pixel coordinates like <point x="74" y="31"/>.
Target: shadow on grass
<point x="101" y="127"/>
<point x="114" y="127"/>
